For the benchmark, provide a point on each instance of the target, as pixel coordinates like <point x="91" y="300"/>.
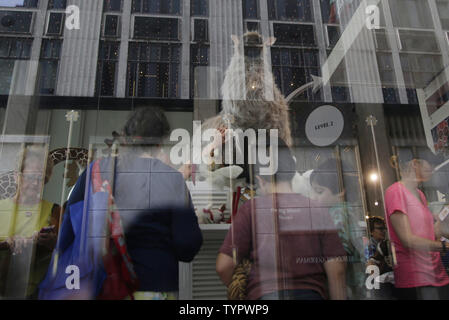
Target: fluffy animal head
<point x="219" y="178"/>
<point x="301" y="184"/>
<point x="250" y="95"/>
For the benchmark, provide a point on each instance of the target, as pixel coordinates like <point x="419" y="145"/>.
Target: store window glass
<point x="226" y="137"/>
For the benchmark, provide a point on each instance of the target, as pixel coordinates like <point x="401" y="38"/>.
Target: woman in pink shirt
<point x="419" y="272"/>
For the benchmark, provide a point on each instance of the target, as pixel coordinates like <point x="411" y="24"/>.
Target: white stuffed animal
<point x="301" y="184"/>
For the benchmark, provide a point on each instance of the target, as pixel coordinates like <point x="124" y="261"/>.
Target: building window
<point x="15" y="22"/>
<point x="156" y="6"/>
<point x="340" y="94"/>
<point x="112" y="5"/>
<point x="156" y="28"/>
<point x="391" y="95"/>
<point x="57" y="4"/>
<point x="381" y="40"/>
<point x="199" y="56"/>
<point x="333" y="35"/>
<point x="20" y="3"/>
<point x="423" y="41"/>
<point x="296" y="10"/>
<point x="107" y="68"/>
<point x="294" y="34"/>
<point x="15" y="48"/>
<point x="420" y="69"/>
<point x="250" y="9"/>
<point x="388" y="77"/>
<point x="111" y="25"/>
<point x="412" y="96"/>
<point x="328" y="12"/>
<point x="443" y="10"/>
<point x="252" y="26"/>
<point x="339" y="82"/>
<point x="201" y="32"/>
<point x="48" y="73"/>
<point x="294" y="67"/>
<point x="55" y="23"/>
<point x="199" y="8"/>
<point x="411" y="14"/>
<point x="11" y="49"/>
<point x="153" y="70"/>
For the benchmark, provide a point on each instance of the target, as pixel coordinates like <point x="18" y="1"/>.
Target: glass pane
<point x="250" y="9"/>
<point x="55" y="24"/>
<point x="57" y="4"/>
<point x="419" y="41"/>
<point x="111" y="26"/>
<point x="356" y="124"/>
<point x="15" y="22"/>
<point x="411" y="14"/>
<point x="19" y="3"/>
<point x="199" y="7"/>
<point x="48" y="76"/>
<point x="156" y="28"/>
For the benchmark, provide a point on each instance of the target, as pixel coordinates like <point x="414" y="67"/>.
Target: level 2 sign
<point x="324" y="125"/>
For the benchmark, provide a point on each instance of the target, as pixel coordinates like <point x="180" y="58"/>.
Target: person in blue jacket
<point x="155" y="206"/>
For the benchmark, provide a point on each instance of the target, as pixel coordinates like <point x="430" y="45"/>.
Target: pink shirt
<point x="415" y="268"/>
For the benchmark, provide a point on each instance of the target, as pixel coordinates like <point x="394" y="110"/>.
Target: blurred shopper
<point x="377" y="229"/>
<point x="324" y="182"/>
<point x="155" y="206"/>
<point x="377" y="253"/>
<point x="292" y="244"/>
<point x="419" y="272"/>
<point x="28" y="229"/>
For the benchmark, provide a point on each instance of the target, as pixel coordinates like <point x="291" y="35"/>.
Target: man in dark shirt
<point x="291" y="241"/>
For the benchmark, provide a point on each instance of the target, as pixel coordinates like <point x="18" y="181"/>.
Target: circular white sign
<point x="324" y="125"/>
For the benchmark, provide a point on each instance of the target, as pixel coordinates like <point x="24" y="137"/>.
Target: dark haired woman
<point x="155" y="206"/>
<point x="419" y="272"/>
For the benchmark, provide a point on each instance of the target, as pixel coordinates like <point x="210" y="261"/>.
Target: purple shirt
<point x="307" y="238"/>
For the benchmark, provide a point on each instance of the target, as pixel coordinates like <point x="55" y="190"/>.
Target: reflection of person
<point x="293" y="258"/>
<point x="155" y="206"/>
<point x="419" y="273"/>
<point x="324" y="182"/>
<point x="377" y="230"/>
<point x="377" y="254"/>
<point x="27" y="220"/>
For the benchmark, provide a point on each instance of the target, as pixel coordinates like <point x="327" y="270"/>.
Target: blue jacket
<point x="158" y="218"/>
